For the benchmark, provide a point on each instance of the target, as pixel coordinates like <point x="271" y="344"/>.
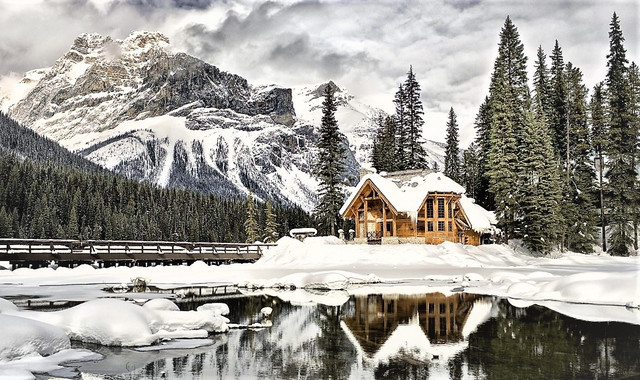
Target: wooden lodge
<point x="416" y="206"/>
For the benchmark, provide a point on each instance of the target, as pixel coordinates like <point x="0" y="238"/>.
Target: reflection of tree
<point x="536" y="343"/>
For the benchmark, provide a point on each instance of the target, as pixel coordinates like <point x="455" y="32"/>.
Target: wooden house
<point x="417" y="206"/>
<point x="383" y="327"/>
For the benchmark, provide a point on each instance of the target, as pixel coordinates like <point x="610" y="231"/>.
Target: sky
<point x="365" y="46"/>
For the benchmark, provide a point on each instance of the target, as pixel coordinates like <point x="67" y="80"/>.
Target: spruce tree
<point x="328" y="167"/>
<point x="579" y="213"/>
<point x="542" y="85"/>
<point x="558" y="111"/>
<point x="471" y="171"/>
<point x="598" y="120"/>
<point x="250" y="223"/>
<point x="416" y="155"/>
<point x="483" y="142"/>
<point x="621" y="144"/>
<point x="377" y="146"/>
<point x="401" y="137"/>
<point x="388" y="147"/>
<point x="540" y="194"/>
<point x="508" y="102"/>
<point x="452" y="150"/>
<point x="271" y="226"/>
<point x="634" y="83"/>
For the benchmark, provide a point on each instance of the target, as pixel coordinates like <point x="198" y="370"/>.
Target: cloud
<point x="366" y="46"/>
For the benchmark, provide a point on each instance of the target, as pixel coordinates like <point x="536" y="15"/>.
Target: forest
<point x="560" y="169"/>
<point x="49" y="192"/>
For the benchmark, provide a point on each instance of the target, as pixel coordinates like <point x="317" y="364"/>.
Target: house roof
<point x="406" y="195"/>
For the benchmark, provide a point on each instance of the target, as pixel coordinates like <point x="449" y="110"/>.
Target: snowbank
<point x="114" y="322"/>
<point x="20" y="337"/>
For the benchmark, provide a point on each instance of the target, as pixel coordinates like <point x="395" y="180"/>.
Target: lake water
<point x="466" y="336"/>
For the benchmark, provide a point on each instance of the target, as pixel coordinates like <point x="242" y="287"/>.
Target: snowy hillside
<point x="355" y="119"/>
<point x="138" y="108"/>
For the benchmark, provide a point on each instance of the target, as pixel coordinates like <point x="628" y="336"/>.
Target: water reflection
<point x="466" y="336"/>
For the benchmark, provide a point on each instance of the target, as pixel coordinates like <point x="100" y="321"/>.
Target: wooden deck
<point x="35" y="253"/>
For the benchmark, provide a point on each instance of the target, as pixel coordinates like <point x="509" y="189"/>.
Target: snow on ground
<point x="319" y="270"/>
<point x="329" y="264"/>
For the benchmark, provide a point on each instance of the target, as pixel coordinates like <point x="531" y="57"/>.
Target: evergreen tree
<point x="452" y="150"/>
<point x="508" y="102"/>
<point x="471" y="171"/>
<point x="598" y="141"/>
<point x="542" y="85"/>
<point x="388" y="147"/>
<point x="558" y="115"/>
<point x="540" y="193"/>
<point x="621" y="143"/>
<point x="483" y="142"/>
<point x="250" y="223"/>
<point x="271" y="226"/>
<point x="328" y="167"/>
<point x="376" y="149"/>
<point x="578" y="206"/>
<point x="416" y="155"/>
<point x="401" y="137"/>
<point x="634" y="83"/>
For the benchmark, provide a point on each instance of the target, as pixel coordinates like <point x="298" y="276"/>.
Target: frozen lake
<point x="390" y="336"/>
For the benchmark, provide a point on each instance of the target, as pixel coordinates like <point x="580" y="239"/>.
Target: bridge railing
<point x="42" y="250"/>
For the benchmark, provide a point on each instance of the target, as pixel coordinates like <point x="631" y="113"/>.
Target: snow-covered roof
<point x="481" y="220"/>
<point x="406" y="195"/>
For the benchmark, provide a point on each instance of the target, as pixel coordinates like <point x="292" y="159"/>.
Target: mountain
<point x="23" y="143"/>
<point x="135" y="107"/>
<point x="357" y="121"/>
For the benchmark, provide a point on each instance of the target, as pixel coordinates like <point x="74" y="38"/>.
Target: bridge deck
<point x="41" y="252"/>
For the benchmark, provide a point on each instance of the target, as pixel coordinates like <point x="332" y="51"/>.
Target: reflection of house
<point x="375" y="322"/>
<point x="416" y="206"/>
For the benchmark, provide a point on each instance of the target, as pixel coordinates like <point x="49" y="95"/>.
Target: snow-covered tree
<point x="329" y="164"/>
<point x="621" y="144"/>
<point x="578" y="206"/>
<point x="271" y="226"/>
<point x="452" y="151"/>
<point x="540" y="193"/>
<point x="416" y="155"/>
<point x="251" y="222"/>
<point x="508" y="101"/>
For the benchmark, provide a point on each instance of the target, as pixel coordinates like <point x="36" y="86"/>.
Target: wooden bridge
<point x="36" y="253"/>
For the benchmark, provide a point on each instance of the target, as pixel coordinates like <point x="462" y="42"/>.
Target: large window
<point x="430" y="208"/>
<point x="441" y="225"/>
<point x="440" y="207"/>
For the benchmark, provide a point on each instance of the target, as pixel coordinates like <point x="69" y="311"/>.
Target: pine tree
<point x="376" y="149"/>
<point x="416" y="155"/>
<point x="542" y="85"/>
<point x="471" y="171"/>
<point x="483" y="142"/>
<point x="634" y="83"/>
<point x="598" y="141"/>
<point x="401" y="137"/>
<point x="329" y="165"/>
<point x="621" y="143"/>
<point x="508" y="102"/>
<point x="250" y="223"/>
<point x="271" y="226"/>
<point x="452" y="150"/>
<point x="558" y="116"/>
<point x="540" y="188"/>
<point x="578" y="206"/>
<point x="388" y="146"/>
